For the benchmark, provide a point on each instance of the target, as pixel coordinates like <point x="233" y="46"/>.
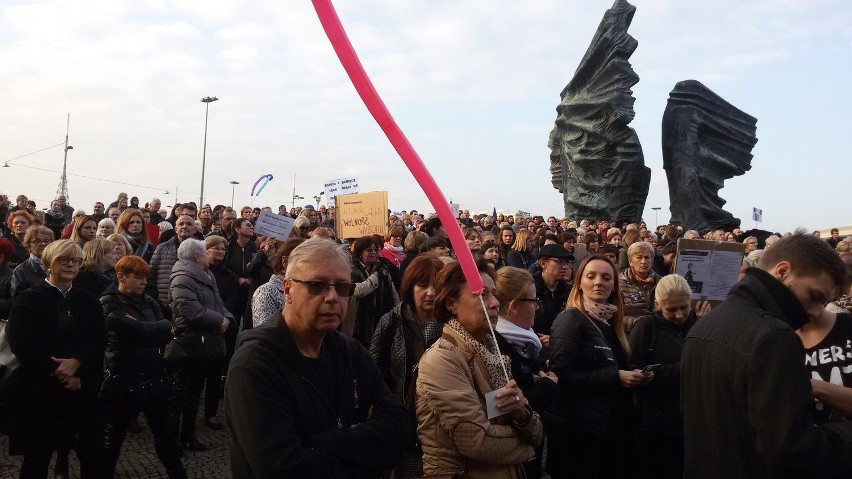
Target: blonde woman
<point x="590" y="424"/>
<point x="520" y="256"/>
<point x="98" y="270"/>
<point x="658" y="340"/>
<point x="122" y="246"/>
<point x="84" y="230"/>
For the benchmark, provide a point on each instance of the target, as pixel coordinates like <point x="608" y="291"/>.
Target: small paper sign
<point x="276" y="226"/>
<point x="491" y="403"/>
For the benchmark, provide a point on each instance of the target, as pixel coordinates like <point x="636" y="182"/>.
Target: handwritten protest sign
<point x="340" y="186"/>
<point x="710" y="267"/>
<point x="362" y="214"/>
<point x="276" y="226"/>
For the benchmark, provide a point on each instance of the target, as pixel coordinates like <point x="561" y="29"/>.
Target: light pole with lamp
<point x="233" y="185"/>
<point x="656" y="216"/>
<point x="207" y="100"/>
<point x="317" y="199"/>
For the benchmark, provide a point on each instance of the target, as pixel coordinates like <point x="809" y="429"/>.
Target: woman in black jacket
<point x="516" y="338"/>
<point x="98" y="271"/>
<point x="401" y="338"/>
<point x="375" y="293"/>
<point x="590" y="423"/>
<point x="56" y="332"/>
<point x="135" y="372"/>
<point x="656" y="342"/>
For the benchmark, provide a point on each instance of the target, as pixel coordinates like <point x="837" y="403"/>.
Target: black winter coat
<point x="654" y="340"/>
<point x="551" y="303"/>
<point x="42" y="324"/>
<point x="134" y="344"/>
<point x="287" y="419"/>
<point x="746" y="393"/>
<point x="539" y="391"/>
<point x="586" y="358"/>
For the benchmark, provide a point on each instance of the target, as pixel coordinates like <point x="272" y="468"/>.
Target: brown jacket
<point x="453" y="426"/>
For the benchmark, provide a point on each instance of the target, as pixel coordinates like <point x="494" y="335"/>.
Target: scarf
<point x="55" y="214"/>
<point x="649" y="281"/>
<point x="525" y="341"/>
<point x="603" y="312"/>
<point x="486" y="351"/>
<point x="397" y="252"/>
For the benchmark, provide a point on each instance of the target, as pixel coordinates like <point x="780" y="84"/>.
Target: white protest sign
<point x="709" y="267"/>
<point x="456" y="209"/>
<point x="757" y="215"/>
<point x="340" y="186"/>
<point x="276" y="226"/>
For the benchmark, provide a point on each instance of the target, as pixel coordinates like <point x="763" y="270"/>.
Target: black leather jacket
<point x="133" y="345"/>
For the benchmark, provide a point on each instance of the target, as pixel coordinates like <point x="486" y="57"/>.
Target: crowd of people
<point x="372" y="356"/>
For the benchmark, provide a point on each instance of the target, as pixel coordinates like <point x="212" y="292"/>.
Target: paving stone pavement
<point x="138" y="459"/>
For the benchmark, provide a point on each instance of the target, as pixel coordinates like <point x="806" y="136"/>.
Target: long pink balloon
<point x="337" y="35"/>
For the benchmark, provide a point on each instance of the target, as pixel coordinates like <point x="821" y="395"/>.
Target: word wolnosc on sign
<point x="362" y="214"/>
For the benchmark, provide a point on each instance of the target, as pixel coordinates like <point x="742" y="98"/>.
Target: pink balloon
<point x="334" y="29"/>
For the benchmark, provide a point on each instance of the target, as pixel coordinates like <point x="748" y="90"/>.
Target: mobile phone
<point x="650" y="368"/>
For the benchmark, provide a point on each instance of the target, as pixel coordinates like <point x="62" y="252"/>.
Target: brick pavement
<point x="138" y="459"/>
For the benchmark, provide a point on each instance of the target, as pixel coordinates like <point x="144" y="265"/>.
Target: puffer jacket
<point x="164" y="258"/>
<point x="133" y="344"/>
<point x="194" y="299"/>
<point x="453" y="427"/>
<point x="28" y="274"/>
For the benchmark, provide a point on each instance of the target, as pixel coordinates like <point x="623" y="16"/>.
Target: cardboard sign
<point x="276" y="226"/>
<point x="362" y="214"/>
<point x="710" y="267"/>
<point x="340" y="186"/>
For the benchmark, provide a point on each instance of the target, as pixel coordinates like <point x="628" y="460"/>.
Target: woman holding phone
<point x="656" y="343"/>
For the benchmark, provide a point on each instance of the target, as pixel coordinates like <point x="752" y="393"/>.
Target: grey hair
<point x="755" y="256"/>
<point x="316" y="250"/>
<point x="107" y="221"/>
<point x="635" y="247"/>
<point x="189" y="248"/>
<point x="689" y="232"/>
<point x="671" y="286"/>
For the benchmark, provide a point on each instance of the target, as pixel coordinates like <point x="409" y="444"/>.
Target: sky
<point x="473" y="85"/>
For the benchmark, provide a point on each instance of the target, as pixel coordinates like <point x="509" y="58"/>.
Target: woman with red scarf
<point x="393" y="250"/>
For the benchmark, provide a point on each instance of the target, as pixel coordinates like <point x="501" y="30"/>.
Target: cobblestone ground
<point x="139" y="461"/>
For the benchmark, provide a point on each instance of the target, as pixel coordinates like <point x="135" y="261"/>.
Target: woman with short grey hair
<point x="199" y="320"/>
<point x="637" y="281"/>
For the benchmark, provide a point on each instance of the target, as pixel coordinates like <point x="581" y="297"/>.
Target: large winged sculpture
<point x="596" y="159"/>
<point x="706" y="140"/>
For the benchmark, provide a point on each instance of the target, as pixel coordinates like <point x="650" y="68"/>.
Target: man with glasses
<point x="165" y="257"/>
<point x="303" y="400"/>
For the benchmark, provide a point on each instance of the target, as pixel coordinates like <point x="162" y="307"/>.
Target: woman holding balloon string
<point x="454" y="376"/>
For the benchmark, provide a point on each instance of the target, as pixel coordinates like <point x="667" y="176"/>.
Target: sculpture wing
<point x="706" y="140"/>
<point x="596" y="159"/>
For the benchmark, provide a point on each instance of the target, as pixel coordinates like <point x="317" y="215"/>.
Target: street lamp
<point x="207" y="100"/>
<point x="318" y="197"/>
<point x="233" y="185"/>
<point x="656" y="217"/>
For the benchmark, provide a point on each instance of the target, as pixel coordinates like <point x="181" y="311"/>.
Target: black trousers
<point x="187" y="383"/>
<point x="123" y="398"/>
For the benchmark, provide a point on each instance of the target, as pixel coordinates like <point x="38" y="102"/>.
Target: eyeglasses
<point x="533" y="300"/>
<point x="561" y="261"/>
<point x="66" y="261"/>
<point x="317" y="288"/>
<point x="43" y="241"/>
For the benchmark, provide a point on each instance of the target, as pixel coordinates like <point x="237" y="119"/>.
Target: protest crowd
<point x="584" y="356"/>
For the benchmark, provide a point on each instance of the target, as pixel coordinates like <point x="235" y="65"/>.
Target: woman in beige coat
<point x="454" y="375"/>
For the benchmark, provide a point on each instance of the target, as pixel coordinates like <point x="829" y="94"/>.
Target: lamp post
<point x="318" y="197"/>
<point x="207" y="100"/>
<point x="656" y="216"/>
<point x="233" y="185"/>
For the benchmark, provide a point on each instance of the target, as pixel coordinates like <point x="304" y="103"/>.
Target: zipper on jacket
<point x="324" y="400"/>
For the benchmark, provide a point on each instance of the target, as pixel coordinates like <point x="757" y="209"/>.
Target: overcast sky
<point x="473" y="84"/>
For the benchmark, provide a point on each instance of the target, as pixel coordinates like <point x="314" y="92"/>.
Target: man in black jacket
<point x="745" y="392"/>
<point x="301" y="399"/>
